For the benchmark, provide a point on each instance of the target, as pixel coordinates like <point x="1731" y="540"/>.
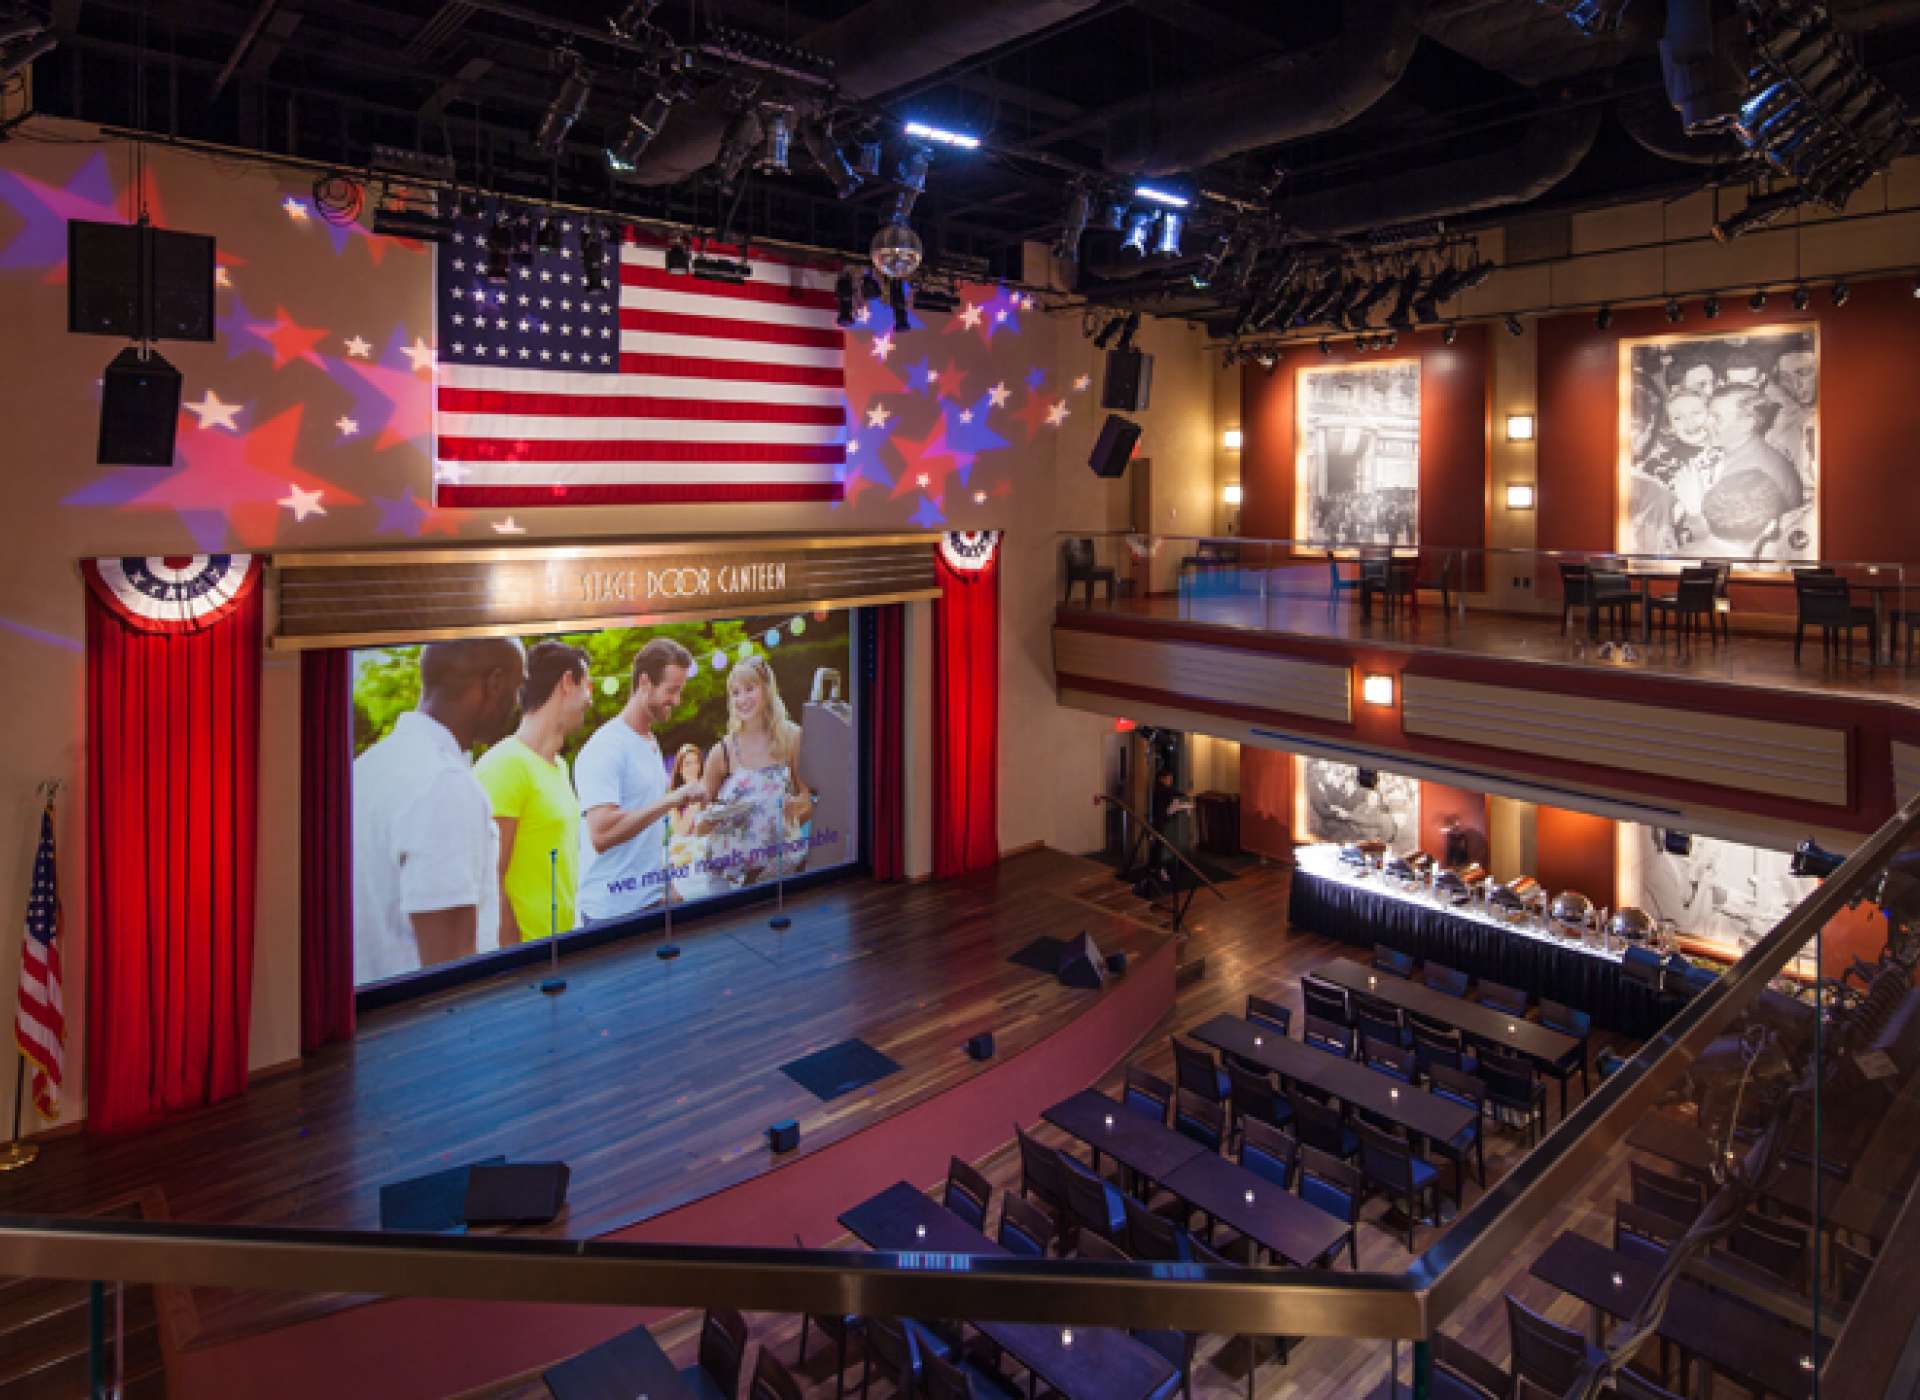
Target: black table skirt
<point x="1363" y="918"/>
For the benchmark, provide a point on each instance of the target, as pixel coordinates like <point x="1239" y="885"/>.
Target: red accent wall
<point x="1574" y="851"/>
<point x="1454" y="418"/>
<point x="1266" y="802"/>
<point x="1438" y="803"/>
<point x="1869" y="418"/>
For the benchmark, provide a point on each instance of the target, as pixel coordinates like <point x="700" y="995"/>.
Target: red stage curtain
<point x="173" y="737"/>
<point x="886" y="756"/>
<point x="966" y="716"/>
<point x="326" y="850"/>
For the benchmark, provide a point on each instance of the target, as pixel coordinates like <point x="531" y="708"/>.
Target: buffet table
<point x="1327" y="898"/>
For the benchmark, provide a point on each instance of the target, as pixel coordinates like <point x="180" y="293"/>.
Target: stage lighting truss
<point x="416" y="197"/>
<point x="576" y="85"/>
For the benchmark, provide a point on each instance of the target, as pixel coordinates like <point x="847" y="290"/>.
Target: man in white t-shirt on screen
<point x="624" y="798"/>
<point x="426" y="885"/>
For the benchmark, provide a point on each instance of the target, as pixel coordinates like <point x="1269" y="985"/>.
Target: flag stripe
<point x="534" y="427"/>
<point x="641" y="275"/>
<point x="493" y="449"/>
<point x="653" y="473"/>
<point x="40" y="1023"/>
<point x="817" y="369"/>
<point x="728" y="328"/>
<point x="508" y="402"/>
<point x="771" y="269"/>
<point x="606" y="384"/>
<point x="680" y="492"/>
<point x="680" y="302"/>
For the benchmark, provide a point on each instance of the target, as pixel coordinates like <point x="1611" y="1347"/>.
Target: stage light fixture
<point x="1674" y="313"/>
<point x="642" y="126"/>
<point x="1758" y="301"/>
<point x="1448" y="335"/>
<point x="897" y="303"/>
<point x="547" y="239"/>
<point x="1513" y="325"/>
<point x="870" y="288"/>
<point x="1401" y="317"/>
<point x="576" y="84"/>
<point x="1711" y="306"/>
<point x="1153" y="194"/>
<point x="737" y="147"/>
<point x="1326" y="346"/>
<point x="830" y="158"/>
<point x="843" y="298"/>
<point x="1168" y="243"/>
<point x="1841" y="291"/>
<point x="1393" y="340"/>
<point x="1802" y="297"/>
<point x="1074" y="224"/>
<point x="1139" y="226"/>
<point x="960" y="140"/>
<point x="1129" y="328"/>
<point x="1104" y="337"/>
<point x="734" y="271"/>
<point x="1603" y="318"/>
<point x="776" y="139"/>
<point x="498" y="266"/>
<point x="679" y="257"/>
<point x="592" y="256"/>
<point x="1426" y="307"/>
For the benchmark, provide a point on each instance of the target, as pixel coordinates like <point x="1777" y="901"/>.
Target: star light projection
<point x="313" y="409"/>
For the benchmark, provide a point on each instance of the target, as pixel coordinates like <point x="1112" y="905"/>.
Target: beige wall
<point x="61" y="507"/>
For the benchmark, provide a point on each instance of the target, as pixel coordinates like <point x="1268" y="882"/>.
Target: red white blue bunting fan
<point x="970" y="551"/>
<point x="171" y="593"/>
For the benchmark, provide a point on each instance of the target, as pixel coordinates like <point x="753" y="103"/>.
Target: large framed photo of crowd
<point x="1340" y="802"/>
<point x="1357" y="454"/>
<point x="1720" y="445"/>
<point x="506" y="789"/>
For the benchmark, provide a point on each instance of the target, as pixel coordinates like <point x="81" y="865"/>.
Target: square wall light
<point x="1519" y="495"/>
<point x="1231" y="493"/>
<point x="1377" y="689"/>
<point x="1519" y="427"/>
<point x="1231" y="439"/>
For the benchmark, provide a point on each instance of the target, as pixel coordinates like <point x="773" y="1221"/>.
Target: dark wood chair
<point x="1405" y="1179"/>
<point x="1610" y="591"/>
<point x="1825" y="601"/>
<point x="1545" y="1353"/>
<point x="1197" y="1072"/>
<point x="1691" y="605"/>
<point x="1175" y="1346"/>
<point x="968" y="1194"/>
<point x="1026" y="1228"/>
<point x="946" y="1379"/>
<point x="1042" y="1176"/>
<point x="1515" y="1090"/>
<point x="1501" y="997"/>
<point x="1151" y="1236"/>
<point x="723" y="1353"/>
<point x="772" y="1380"/>
<point x="1266" y="1151"/>
<point x="1256" y="1099"/>
<point x="1779" y="1247"/>
<point x="1680" y="1199"/>
<point x="1325" y="1035"/>
<point x="1329" y="1184"/>
<point x="1083" y="567"/>
<point x="898" y="1348"/>
<point x="1323" y="1129"/>
<point x="1381" y="1020"/>
<point x="1575" y="592"/>
<point x="1557" y="1016"/>
<point x="1200" y="1119"/>
<point x="1147" y="1094"/>
<point x="1389" y="1058"/>
<point x="1444" y="979"/>
<point x="1442" y="1045"/>
<point x="1467" y="1091"/>
<point x="1092" y="1205"/>
<point x="1327" y="1000"/>
<point x="1270" y="1015"/>
<point x="1392" y="960"/>
<point x="1461" y="1373"/>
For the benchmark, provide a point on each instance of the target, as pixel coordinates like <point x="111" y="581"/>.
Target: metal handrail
<point x="1261" y="1301"/>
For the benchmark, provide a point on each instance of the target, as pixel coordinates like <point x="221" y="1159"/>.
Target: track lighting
<point x="1513" y="325"/>
<point x="1758" y="301"/>
<point x="1326" y="346"/>
<point x="1674" y="313"/>
<point x="1841" y="291"/>
<point x="1711" y="307"/>
<point x="1802" y="297"/>
<point x="1603" y="318"/>
<point x="830" y="158"/>
<point x="576" y="83"/>
<point x="1104" y="337"/>
<point x="592" y="256"/>
<point x="679" y="257"/>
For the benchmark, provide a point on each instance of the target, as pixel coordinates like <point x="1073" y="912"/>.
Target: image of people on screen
<point x="758" y="807"/>
<point x="425" y="846"/>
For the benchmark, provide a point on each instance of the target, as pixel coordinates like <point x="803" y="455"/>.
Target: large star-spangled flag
<point x="40" y="1020"/>
<point x="654" y="388"/>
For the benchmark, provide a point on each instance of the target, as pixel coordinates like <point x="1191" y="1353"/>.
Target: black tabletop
<point x="1130" y="1138"/>
<point x="1082" y="1363"/>
<point x="1299" y="1233"/>
<point x="1352" y="1083"/>
<point x="1734" y="1337"/>
<point x="1513" y="1034"/>
<point x="629" y="1365"/>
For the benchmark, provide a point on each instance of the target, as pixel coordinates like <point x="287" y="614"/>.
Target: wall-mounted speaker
<point x="139" y="282"/>
<point x="1128" y="383"/>
<point x="139" y="409"/>
<point x="1113" y="449"/>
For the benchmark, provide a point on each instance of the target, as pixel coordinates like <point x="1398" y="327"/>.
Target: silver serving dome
<point x="1631" y="925"/>
<point x="1571" y="907"/>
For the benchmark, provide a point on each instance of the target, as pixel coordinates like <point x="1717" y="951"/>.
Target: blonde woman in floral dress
<point x="758" y="805"/>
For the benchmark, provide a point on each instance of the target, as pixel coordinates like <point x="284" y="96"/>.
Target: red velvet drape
<point x="326" y="850"/>
<point x="886" y="756"/>
<point x="173" y="738"/>
<point x="966" y="719"/>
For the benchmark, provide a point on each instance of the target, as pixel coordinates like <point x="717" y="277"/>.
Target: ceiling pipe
<point x="1656" y="126"/>
<point x="881" y="47"/>
<point x="1555" y="143"/>
<point x="1281" y="99"/>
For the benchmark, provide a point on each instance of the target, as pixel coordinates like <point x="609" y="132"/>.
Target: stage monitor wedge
<point x="1082" y="965"/>
<point x="515" y="1193"/>
<point x="1113" y="449"/>
<point x="139" y="410"/>
<point x="1128" y="382"/>
<point x="139" y="282"/>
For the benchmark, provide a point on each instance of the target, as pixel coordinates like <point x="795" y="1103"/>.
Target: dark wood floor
<point x="1746" y="659"/>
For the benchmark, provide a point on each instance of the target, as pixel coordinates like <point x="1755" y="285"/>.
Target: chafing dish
<point x="1401" y="873"/>
<point x="1352" y="855"/>
<point x="1571" y="914"/>
<point x="1451" y="886"/>
<point x="1630" y="925"/>
<point x="1375" y="852"/>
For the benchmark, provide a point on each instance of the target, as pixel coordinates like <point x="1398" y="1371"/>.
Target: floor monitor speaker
<point x="1081" y="964"/>
<point x="516" y="1193"/>
<point x="139" y="410"/>
<point x="784" y="1136"/>
<point x="1114" y="447"/>
<point x="1128" y="382"/>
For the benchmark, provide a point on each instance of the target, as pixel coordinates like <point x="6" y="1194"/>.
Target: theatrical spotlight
<point x="1841" y="291"/>
<point x="870" y="288"/>
<point x="1168" y="243"/>
<point x="1448" y="335"/>
<point x="776" y="139"/>
<point x="830" y="158"/>
<point x="843" y="298"/>
<point x="1674" y="313"/>
<point x="567" y="105"/>
<point x="737" y="148"/>
<point x="1401" y="317"/>
<point x="679" y="256"/>
<point x="1711" y="307"/>
<point x="1513" y="325"/>
<point x="1802" y="298"/>
<point x="593" y="255"/>
<point x="1074" y="224"/>
<point x="499" y="264"/>
<point x="1603" y="318"/>
<point x="1758" y="301"/>
<point x="1129" y="328"/>
<point x="642" y="126"/>
<point x="897" y="302"/>
<point x="547" y="239"/>
<point x="1326" y="346"/>
<point x="1139" y="226"/>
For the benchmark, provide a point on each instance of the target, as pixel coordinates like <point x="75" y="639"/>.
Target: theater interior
<point x="1068" y="698"/>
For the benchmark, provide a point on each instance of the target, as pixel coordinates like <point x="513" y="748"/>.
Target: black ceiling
<point x="326" y="79"/>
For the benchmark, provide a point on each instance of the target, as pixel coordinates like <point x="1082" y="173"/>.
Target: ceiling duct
<point x="1656" y="126"/>
<point x="1704" y="59"/>
<point x="882" y="46"/>
<point x="1555" y="143"/>
<point x="1283" y="99"/>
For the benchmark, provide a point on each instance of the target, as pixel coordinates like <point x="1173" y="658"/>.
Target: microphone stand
<point x="554" y="983"/>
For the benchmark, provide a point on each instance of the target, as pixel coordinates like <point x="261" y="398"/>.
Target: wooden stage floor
<point x="1744" y="660"/>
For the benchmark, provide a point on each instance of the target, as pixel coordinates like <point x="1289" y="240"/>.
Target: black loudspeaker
<point x="981" y="1046"/>
<point x="117" y="272"/>
<point x="1114" y="447"/>
<point x="1367" y="778"/>
<point x="1676" y="843"/>
<point x="139" y="409"/>
<point x="1117" y="964"/>
<point x="1128" y="383"/>
<point x="516" y="1193"/>
<point x="784" y="1136"/>
<point x="1081" y="964"/>
<point x="433" y="1202"/>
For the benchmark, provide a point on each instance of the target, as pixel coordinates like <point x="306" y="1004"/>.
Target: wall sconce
<point x="1231" y="494"/>
<point x="1519" y="495"/>
<point x="1231" y="439"/>
<point x="1377" y="690"/>
<point x="1519" y="427"/>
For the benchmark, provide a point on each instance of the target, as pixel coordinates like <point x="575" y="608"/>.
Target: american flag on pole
<point x="653" y="387"/>
<point x="40" y="1024"/>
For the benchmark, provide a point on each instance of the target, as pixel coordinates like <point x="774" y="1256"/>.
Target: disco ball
<point x="896" y="251"/>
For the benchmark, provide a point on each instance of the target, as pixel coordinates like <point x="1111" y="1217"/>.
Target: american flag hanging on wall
<point x="40" y="1022"/>
<point x="655" y="388"/>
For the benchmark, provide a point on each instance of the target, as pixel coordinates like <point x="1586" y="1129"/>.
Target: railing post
<point x="96" y="1339"/>
<point x="1422" y="1369"/>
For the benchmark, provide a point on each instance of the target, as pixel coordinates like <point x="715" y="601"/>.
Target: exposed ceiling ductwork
<point x="879" y="48"/>
<point x="1656" y="126"/>
<point x="1283" y="99"/>
<point x="1555" y="143"/>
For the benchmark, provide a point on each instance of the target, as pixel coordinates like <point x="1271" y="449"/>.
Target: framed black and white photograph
<point x="1720" y="445"/>
<point x="1719" y="890"/>
<point x="1357" y="454"/>
<point x="1335" y="806"/>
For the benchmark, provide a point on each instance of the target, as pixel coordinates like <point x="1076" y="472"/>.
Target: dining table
<point x="1081" y="1363"/>
<point x="1148" y="1149"/>
<point x="1500" y="1030"/>
<point x="629" y="1365"/>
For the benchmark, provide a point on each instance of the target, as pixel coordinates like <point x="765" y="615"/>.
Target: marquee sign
<point x="385" y="596"/>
